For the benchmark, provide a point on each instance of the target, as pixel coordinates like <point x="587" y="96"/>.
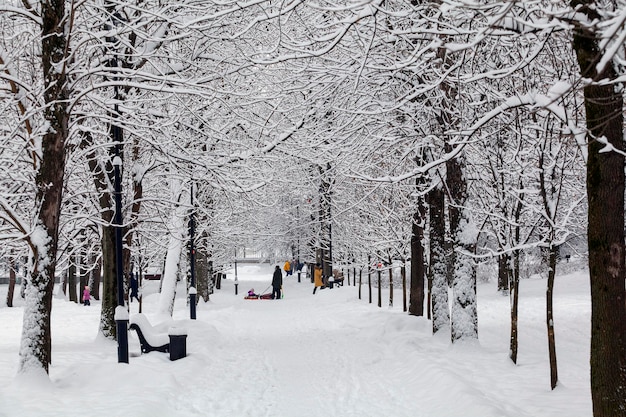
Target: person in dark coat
<point x="134" y="289"/>
<point x="277" y="283"/>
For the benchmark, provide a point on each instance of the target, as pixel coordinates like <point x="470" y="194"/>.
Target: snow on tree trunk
<point x="109" y="288"/>
<point x="439" y="289"/>
<point x="36" y="345"/>
<point x="35" y="348"/>
<point x="325" y="219"/>
<point x="202" y="275"/>
<point x="464" y="318"/>
<point x="172" y="260"/>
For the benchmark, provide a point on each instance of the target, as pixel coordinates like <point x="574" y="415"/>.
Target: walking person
<point x="134" y="289"/>
<point x="277" y="283"/>
<point x="86" y="296"/>
<point x="317" y="277"/>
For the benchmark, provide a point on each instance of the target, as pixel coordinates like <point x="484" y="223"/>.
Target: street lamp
<point x="121" y="314"/>
<point x="192" y="261"/>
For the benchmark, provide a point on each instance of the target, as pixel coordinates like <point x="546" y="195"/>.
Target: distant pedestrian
<point x="134" y="289"/>
<point x="86" y="296"/>
<point x="277" y="283"/>
<point x="287" y="268"/>
<point x="317" y="277"/>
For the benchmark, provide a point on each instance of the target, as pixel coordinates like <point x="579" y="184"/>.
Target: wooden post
<point x="403" y="275"/>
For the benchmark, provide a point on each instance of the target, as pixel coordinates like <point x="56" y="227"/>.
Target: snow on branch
<point x="613" y="38"/>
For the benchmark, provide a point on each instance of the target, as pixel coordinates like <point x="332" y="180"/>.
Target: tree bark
<point x="438" y="266"/>
<point x="202" y="274"/>
<point x="514" y="285"/>
<point x="403" y="277"/>
<point x="325" y="220"/>
<point x="554" y="376"/>
<point x="109" y="288"/>
<point x="605" y="232"/>
<point x="12" y="280"/>
<point x="96" y="275"/>
<point x="171" y="271"/>
<point x="71" y="282"/>
<point x="464" y="318"/>
<point x="83" y="276"/>
<point x="514" y="297"/>
<point x="36" y="344"/>
<point x="416" y="297"/>
<point x="369" y="277"/>
<point x="504" y="272"/>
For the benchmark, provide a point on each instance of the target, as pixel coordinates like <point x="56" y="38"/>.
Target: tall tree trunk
<point x="504" y="272"/>
<point x="101" y="182"/>
<point x="514" y="286"/>
<point x="133" y="217"/>
<point x="550" y="316"/>
<point x="464" y="318"/>
<point x="416" y="296"/>
<point x="210" y="274"/>
<point x="71" y="282"/>
<point x="96" y="275"/>
<point x="12" y="279"/>
<point x="369" y="277"/>
<point x="36" y="343"/>
<point x="178" y="235"/>
<point x="514" y="297"/>
<point x="202" y="274"/>
<point x="605" y="232"/>
<point x="325" y="220"/>
<point x="429" y="297"/>
<point x="83" y="276"/>
<point x="403" y="277"/>
<point x="109" y="288"/>
<point x="438" y="274"/>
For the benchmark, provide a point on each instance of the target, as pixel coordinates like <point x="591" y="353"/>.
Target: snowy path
<point x="321" y="355"/>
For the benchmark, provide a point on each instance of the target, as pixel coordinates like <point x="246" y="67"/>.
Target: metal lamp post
<point x="192" y="261"/>
<point x="121" y="314"/>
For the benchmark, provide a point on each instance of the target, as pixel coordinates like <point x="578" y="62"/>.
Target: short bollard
<point x="178" y="343"/>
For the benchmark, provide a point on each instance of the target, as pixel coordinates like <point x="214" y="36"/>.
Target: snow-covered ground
<point x="323" y="355"/>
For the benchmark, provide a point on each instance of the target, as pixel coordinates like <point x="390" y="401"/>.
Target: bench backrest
<point x="152" y="337"/>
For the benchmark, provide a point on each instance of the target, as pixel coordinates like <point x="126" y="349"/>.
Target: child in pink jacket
<point x="86" y="296"/>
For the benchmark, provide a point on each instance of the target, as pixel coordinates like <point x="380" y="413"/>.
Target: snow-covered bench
<point x="149" y="339"/>
<point x="336" y="278"/>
